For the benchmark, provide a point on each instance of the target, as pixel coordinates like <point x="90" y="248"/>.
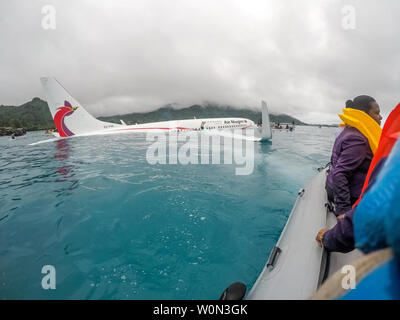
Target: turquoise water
<point x="116" y="227"/>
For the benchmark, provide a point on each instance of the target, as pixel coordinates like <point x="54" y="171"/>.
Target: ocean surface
<point x="115" y="226"/>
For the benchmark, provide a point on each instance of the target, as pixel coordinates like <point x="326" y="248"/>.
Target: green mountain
<point x="35" y="115"/>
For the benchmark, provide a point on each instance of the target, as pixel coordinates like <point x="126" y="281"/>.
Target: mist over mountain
<point x="197" y="111"/>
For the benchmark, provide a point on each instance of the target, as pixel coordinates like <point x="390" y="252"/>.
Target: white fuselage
<point x="178" y="126"/>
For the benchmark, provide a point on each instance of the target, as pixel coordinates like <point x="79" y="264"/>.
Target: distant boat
<point x="283" y="126"/>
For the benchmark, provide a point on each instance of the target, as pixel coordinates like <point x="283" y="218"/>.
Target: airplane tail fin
<point x="266" y="132"/>
<point x="70" y="118"/>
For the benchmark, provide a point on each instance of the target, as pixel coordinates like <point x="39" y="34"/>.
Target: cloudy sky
<point x="122" y="56"/>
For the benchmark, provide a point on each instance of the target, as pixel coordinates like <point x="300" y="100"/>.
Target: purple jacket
<point x="351" y="157"/>
<point x="341" y="237"/>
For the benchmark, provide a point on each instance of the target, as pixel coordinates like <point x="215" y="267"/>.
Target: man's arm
<point x="341" y="237"/>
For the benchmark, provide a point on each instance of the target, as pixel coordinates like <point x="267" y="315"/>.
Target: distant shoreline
<point x="35" y="115"/>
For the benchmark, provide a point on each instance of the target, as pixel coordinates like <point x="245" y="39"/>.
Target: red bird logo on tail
<point x="59" y="117"/>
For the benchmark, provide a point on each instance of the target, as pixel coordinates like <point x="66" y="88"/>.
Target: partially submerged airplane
<point x="72" y="120"/>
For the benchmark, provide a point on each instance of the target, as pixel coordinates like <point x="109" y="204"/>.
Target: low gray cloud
<point x="122" y="56"/>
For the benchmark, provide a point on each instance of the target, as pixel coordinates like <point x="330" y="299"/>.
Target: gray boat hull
<point x="297" y="265"/>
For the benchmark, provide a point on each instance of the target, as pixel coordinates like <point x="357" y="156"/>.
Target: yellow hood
<point x="364" y="123"/>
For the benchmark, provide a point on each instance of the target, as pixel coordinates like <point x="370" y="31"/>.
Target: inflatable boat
<point x="297" y="266"/>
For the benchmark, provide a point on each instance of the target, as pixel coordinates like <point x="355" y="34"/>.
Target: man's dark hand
<point x="320" y="236"/>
